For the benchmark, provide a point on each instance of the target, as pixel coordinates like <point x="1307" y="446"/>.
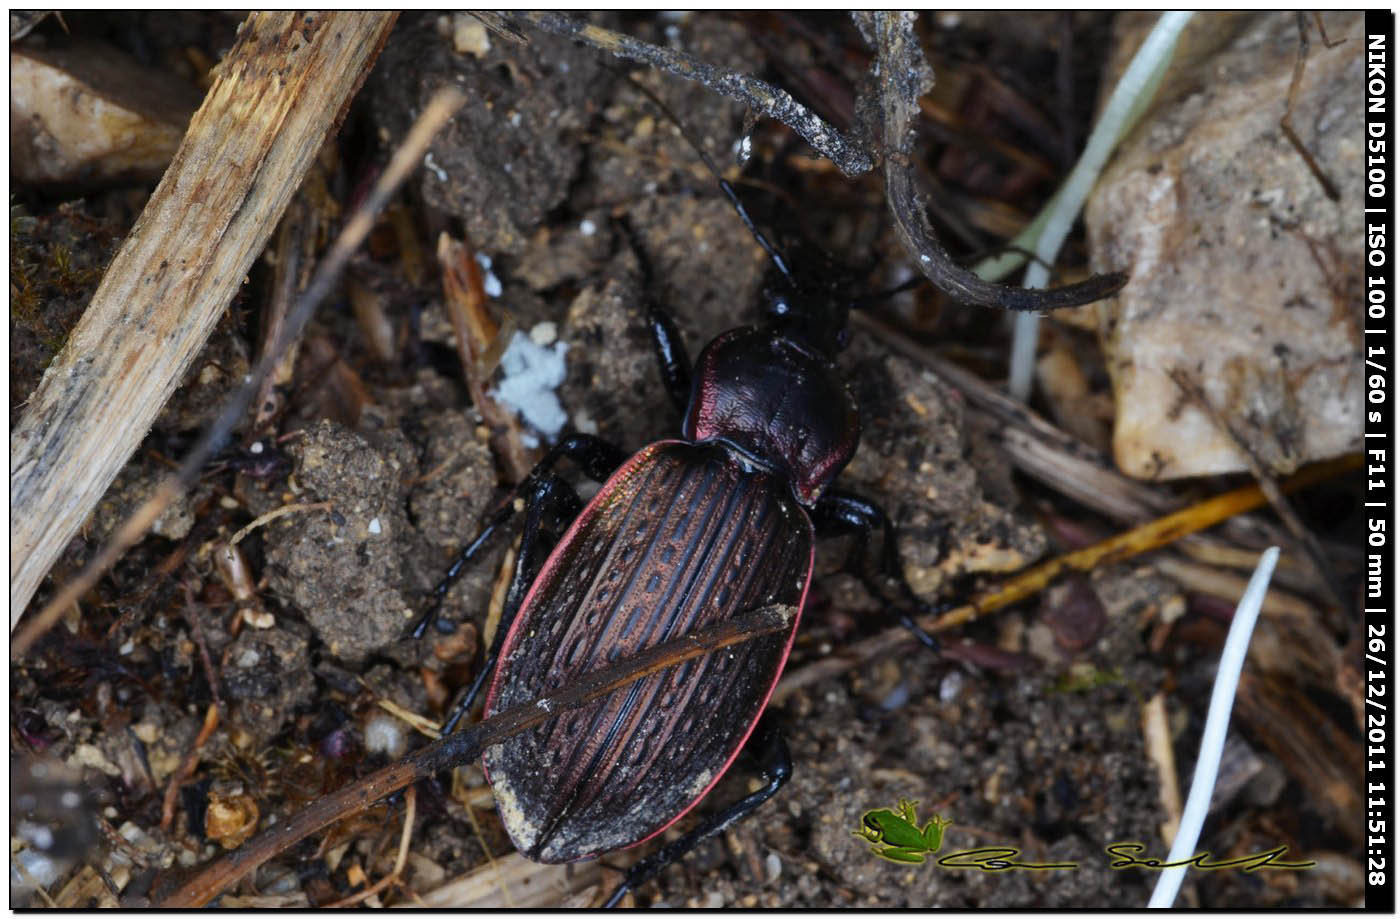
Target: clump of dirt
<point x="343" y="566"/>
<point x="268" y="673"/>
<point x="504" y="163"/>
<point x="949" y="495"/>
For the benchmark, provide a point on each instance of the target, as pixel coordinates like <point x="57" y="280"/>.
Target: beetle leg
<point x="596" y="457"/>
<point x="777" y="768"/>
<point x="671" y="356"/>
<point x="841" y="511"/>
<point x="550" y="495"/>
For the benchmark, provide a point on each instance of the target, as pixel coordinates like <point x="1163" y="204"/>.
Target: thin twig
<point x="848" y="153"/>
<point x="1286" y="122"/>
<point x="197" y="630"/>
<point x="276" y="512"/>
<point x="288" y="276"/>
<point x="905" y="77"/>
<point x="1303" y="538"/>
<point x="465" y="746"/>
<point x="1154" y="535"/>
<point x="406" y="159"/>
<point x="167" y="810"/>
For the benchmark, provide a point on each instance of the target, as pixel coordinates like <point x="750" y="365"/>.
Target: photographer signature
<point x="1005" y="858"/>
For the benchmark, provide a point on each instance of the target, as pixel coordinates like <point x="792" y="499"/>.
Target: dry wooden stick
<point x="1154" y="535"/>
<point x="279" y="93"/>
<point x="465" y="746"/>
<point x="439" y="109"/>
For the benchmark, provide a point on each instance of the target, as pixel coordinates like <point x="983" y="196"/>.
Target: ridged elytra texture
<point x="680" y="537"/>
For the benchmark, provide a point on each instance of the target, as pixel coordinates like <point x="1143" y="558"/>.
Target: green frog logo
<point x="895" y="835"/>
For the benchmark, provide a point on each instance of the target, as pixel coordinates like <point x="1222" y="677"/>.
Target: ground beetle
<point x="683" y="534"/>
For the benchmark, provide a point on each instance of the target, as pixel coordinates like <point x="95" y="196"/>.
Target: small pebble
<point x="950" y="687"/>
<point x="544" y="334"/>
<point x="385" y="734"/>
<point x="469" y="36"/>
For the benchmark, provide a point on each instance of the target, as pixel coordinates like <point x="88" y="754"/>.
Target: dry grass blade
<point x="1157" y="741"/>
<point x="514" y="882"/>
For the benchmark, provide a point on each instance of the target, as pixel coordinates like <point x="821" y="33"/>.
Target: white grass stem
<point x="1222" y="699"/>
<point x="1047" y="232"/>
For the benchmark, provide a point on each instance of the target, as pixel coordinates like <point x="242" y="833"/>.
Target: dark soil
<point x="1028" y="734"/>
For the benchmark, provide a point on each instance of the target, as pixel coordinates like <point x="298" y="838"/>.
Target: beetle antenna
<point x="919" y="280"/>
<point x="724" y="185"/>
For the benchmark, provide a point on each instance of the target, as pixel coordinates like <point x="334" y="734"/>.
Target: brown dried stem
<point x="465" y="746"/>
<point x="480" y="343"/>
<point x="904" y="77"/>
<point x="1154" y="535"/>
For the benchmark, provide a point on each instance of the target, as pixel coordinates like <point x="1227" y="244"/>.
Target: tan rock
<point x="1245" y="274"/>
<point x="88" y="113"/>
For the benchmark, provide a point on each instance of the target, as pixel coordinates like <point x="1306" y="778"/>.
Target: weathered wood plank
<point x="278" y="95"/>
